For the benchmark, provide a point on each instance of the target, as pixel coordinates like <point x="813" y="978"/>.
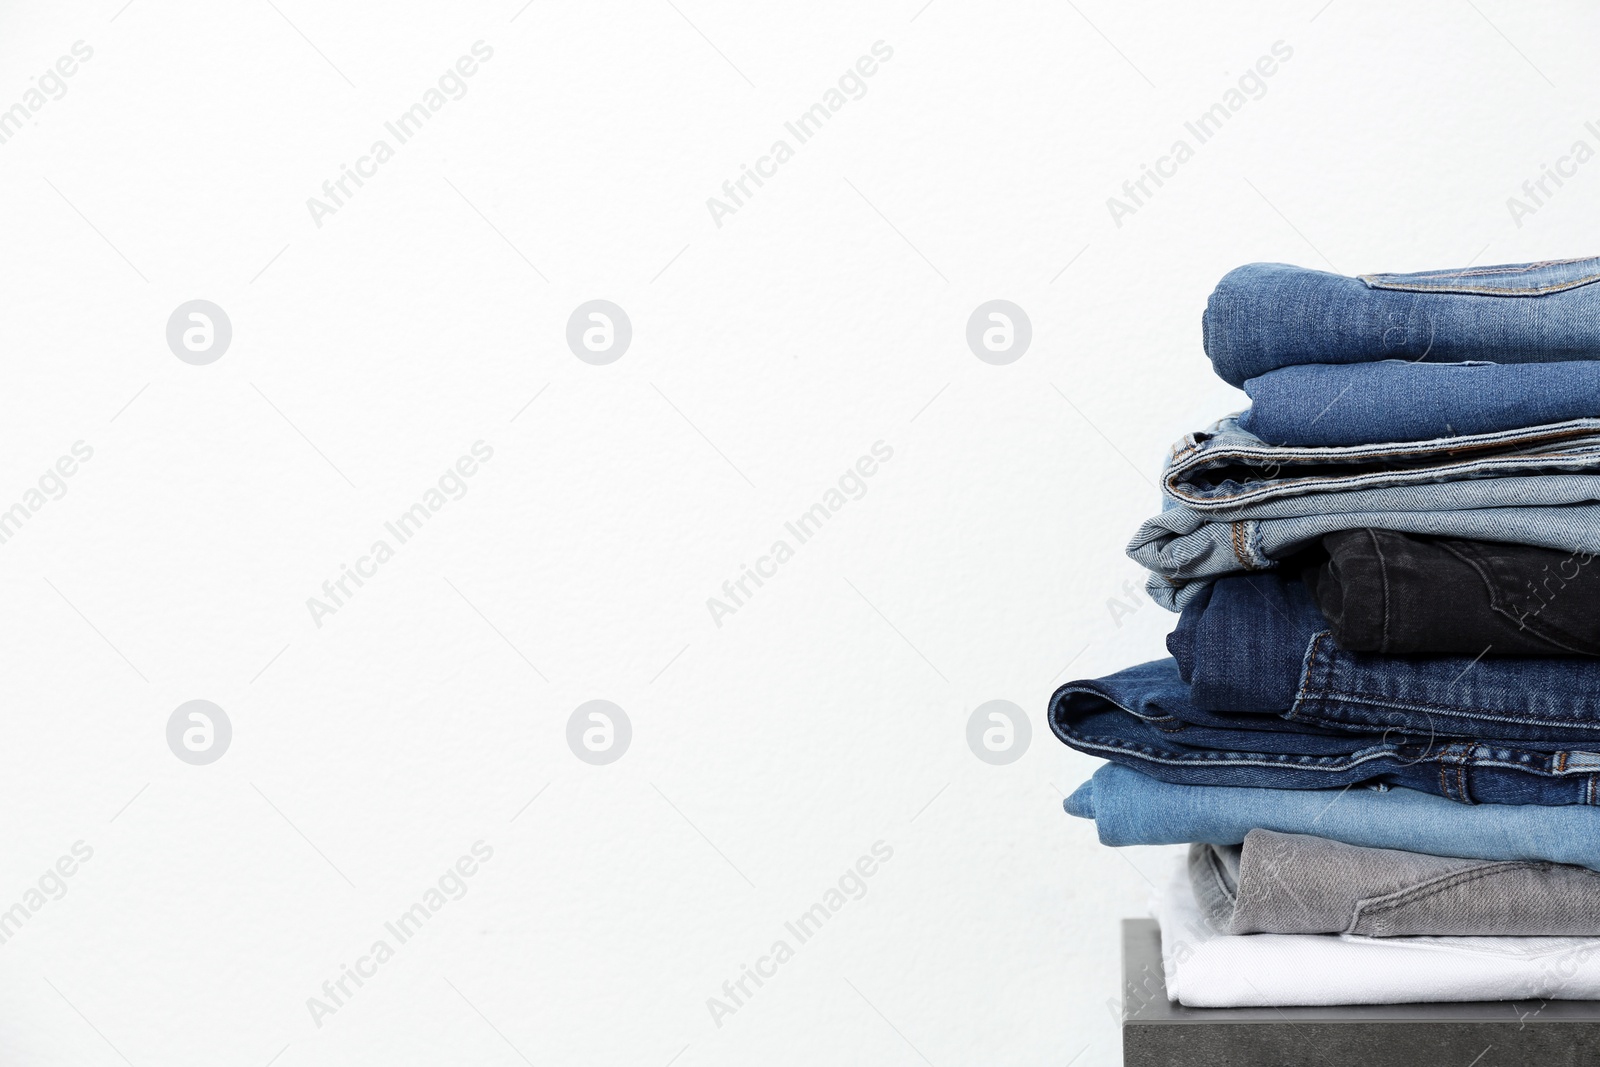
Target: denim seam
<point x="1432" y="887"/>
<point x="1306" y="667"/>
<point x="1493" y="467"/>
<point x="1359" y="453"/>
<point x="1231" y="759"/>
<point x="1445" y="787"/>
<point x="1383" y="575"/>
<point x="1580" y="429"/>
<point x="1457" y="756"/>
<point x="1491" y="452"/>
<point x="1213" y="868"/>
<point x="1488" y="716"/>
<point x="1478" y="272"/>
<point x="1379" y="281"/>
<point x="1213" y="757"/>
<point x="1244" y="537"/>
<point x="1486" y="290"/>
<point x="1493" y="440"/>
<point x="1252" y="543"/>
<point x="1548" y="632"/>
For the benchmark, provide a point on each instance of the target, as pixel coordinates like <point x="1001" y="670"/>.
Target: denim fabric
<point x="1394" y="593"/>
<point x="1144" y="717"/>
<point x="1269" y="315"/>
<point x="1223" y="469"/>
<point x="1259" y="644"/>
<point x="1130" y="808"/>
<point x="1392" y="400"/>
<point x="1241" y="644"/>
<point x="1299" y="884"/>
<point x="1185" y="550"/>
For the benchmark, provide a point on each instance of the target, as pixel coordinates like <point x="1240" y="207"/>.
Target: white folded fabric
<point x="1208" y="969"/>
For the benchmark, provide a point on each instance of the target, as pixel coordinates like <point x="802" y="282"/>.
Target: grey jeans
<point x="1297" y="884"/>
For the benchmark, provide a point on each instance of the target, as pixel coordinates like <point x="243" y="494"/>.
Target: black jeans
<point x="1383" y="591"/>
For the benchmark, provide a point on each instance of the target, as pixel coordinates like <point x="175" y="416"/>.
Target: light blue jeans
<point x="1224" y="469"/>
<point x="1130" y="808"/>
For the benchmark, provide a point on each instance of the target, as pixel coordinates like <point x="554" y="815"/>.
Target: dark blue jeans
<point x="1258" y="643"/>
<point x="1145" y="718"/>
<point x="1270" y="315"/>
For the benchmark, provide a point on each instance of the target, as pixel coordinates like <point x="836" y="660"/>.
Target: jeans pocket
<point x="1517" y="279"/>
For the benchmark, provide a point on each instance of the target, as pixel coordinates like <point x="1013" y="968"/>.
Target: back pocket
<point x="1516" y="279"/>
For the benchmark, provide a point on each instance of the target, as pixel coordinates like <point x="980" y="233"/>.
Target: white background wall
<point x="768" y="354"/>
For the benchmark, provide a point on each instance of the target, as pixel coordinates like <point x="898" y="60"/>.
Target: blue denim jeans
<point x="1258" y="643"/>
<point x="1145" y="717"/>
<point x="1269" y="315"/>
<point x="1392" y="400"/>
<point x="1232" y="503"/>
<point x="1130" y="808"/>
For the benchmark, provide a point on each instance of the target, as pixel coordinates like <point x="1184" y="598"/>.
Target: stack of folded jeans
<point x="1379" y="728"/>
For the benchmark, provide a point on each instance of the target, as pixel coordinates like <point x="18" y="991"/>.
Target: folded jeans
<point x="1186" y="550"/>
<point x="1226" y="470"/>
<point x="1264" y="316"/>
<point x="1400" y="594"/>
<point x="1257" y="647"/>
<point x="1130" y="808"/>
<point x="1394" y="400"/>
<point x="1144" y="717"/>
<point x="1299" y="884"/>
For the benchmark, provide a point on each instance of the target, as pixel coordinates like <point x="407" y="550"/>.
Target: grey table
<point x="1158" y="1033"/>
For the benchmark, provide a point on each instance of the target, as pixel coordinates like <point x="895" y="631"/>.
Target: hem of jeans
<point x="1361" y="453"/>
<point x="1244" y="537"/>
<point x="1087" y="743"/>
<point x="1111" y="749"/>
<point x="1310" y="485"/>
<point x="1487" y="441"/>
<point x="1087" y="687"/>
<point x="1209" y="889"/>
